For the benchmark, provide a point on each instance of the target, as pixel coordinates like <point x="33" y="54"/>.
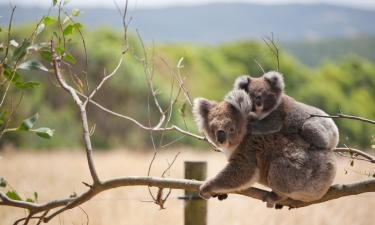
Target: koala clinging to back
<point x="274" y="111"/>
<point x="284" y="163"/>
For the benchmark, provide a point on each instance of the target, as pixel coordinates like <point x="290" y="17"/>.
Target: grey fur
<point x="287" y="115"/>
<point x="282" y="162"/>
<point x="240" y="100"/>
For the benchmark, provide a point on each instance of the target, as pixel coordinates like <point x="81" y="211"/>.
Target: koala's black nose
<point x="258" y="101"/>
<point x="220" y="135"/>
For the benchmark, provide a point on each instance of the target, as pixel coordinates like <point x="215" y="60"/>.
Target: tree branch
<point x="354" y="152"/>
<point x="82" y="107"/>
<point x="344" y="116"/>
<point x="335" y="192"/>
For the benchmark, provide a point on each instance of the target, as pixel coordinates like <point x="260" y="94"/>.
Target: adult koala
<point x="281" y="162"/>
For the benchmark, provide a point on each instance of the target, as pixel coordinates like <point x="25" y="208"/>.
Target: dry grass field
<point x="59" y="174"/>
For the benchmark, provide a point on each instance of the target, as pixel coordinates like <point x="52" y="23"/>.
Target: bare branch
<point x="139" y="124"/>
<point x="355" y="152"/>
<point x="336" y="191"/>
<point x="82" y="107"/>
<point x="105" y="78"/>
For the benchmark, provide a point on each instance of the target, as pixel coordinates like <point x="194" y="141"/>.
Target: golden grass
<point x="59" y="174"/>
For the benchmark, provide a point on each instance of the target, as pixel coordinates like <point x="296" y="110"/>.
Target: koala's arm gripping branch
<point x="232" y="177"/>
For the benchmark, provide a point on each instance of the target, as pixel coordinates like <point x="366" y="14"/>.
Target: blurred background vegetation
<point x="335" y="82"/>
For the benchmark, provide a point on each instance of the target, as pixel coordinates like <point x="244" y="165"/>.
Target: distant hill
<point x="310" y="32"/>
<point x="313" y="53"/>
<point x="224" y="22"/>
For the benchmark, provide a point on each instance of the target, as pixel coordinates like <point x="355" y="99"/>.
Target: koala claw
<point x="221" y="197"/>
<point x="278" y="206"/>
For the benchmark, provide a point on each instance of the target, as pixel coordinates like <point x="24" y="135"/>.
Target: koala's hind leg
<point x="321" y="133"/>
<point x="239" y="174"/>
<point x="272" y="198"/>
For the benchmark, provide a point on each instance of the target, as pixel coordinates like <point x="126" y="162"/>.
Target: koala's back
<point x="320" y="131"/>
<point x="296" y="113"/>
<point x="289" y="167"/>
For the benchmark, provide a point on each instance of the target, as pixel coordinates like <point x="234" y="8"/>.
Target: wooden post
<point x="195" y="207"/>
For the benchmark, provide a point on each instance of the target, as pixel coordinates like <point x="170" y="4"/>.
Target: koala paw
<point x="221" y="197"/>
<point x="205" y="191"/>
<point x="278" y="206"/>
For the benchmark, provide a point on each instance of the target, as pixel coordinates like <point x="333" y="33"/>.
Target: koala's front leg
<point x="239" y="174"/>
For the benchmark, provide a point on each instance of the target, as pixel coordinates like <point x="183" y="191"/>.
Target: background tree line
<point x="346" y="85"/>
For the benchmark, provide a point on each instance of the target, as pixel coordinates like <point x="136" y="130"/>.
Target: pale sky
<point x="162" y="3"/>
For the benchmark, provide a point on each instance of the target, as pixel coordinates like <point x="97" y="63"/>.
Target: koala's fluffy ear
<point x="240" y="100"/>
<point x="275" y="80"/>
<point x="242" y="83"/>
<point x="201" y="108"/>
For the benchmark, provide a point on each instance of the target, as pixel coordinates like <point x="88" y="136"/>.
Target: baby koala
<point x="274" y="111"/>
<point x="283" y="163"/>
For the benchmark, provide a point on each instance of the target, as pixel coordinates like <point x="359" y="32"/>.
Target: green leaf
<point x="56" y="35"/>
<point x="68" y="30"/>
<point x="54" y="2"/>
<point x="48" y="20"/>
<point x="26" y="85"/>
<point x="44" y="132"/>
<point x="76" y="12"/>
<point x="69" y="58"/>
<point x="46" y="55"/>
<point x="40" y="28"/>
<point x="11" y="75"/>
<point x="182" y="110"/>
<point x="66" y="2"/>
<point x="21" y="51"/>
<point x="36" y="196"/>
<point x="59" y="51"/>
<point x="29" y="200"/>
<point x="32" y="65"/>
<point x="77" y="26"/>
<point x="28" y="123"/>
<point x="13" y="195"/>
<point x="3" y="182"/>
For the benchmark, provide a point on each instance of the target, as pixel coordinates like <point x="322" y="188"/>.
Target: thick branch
<point x="336" y="191"/>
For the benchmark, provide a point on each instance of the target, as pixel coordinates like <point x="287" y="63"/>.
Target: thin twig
<point x="353" y="152"/>
<point x="105" y="78"/>
<point x="260" y="66"/>
<point x="344" y="116"/>
<point x="270" y="42"/>
<point x="9" y="33"/>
